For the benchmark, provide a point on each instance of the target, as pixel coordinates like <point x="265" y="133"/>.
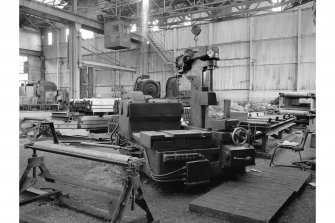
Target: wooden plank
<point x="36" y="191"/>
<point x="84" y="193"/>
<point x="39" y="197"/>
<point x="113" y="191"/>
<point x="85" y="208"/>
<point x="254" y="197"/>
<point x="29" y="219"/>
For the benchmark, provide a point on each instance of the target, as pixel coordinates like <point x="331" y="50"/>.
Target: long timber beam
<point x="60" y="15"/>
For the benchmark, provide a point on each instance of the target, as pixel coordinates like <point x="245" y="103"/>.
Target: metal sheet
<point x="231" y="31"/>
<point x="307" y="25"/>
<point x="277" y="51"/>
<point x="276" y="25"/>
<point x="275" y="77"/>
<point x="307" y="79"/>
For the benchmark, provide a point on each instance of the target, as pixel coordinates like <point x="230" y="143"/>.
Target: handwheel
<point x="239" y="136"/>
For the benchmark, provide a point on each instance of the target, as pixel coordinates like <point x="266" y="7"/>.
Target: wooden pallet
<point x="255" y="197"/>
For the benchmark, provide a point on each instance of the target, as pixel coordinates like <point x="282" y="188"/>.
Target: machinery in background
<point x="90" y="106"/>
<point x="148" y="86"/>
<point x="261" y="126"/>
<point x="301" y="105"/>
<point x="42" y="95"/>
<point x="174" y="152"/>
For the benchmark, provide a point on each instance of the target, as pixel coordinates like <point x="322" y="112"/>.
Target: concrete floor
<point x="167" y="203"/>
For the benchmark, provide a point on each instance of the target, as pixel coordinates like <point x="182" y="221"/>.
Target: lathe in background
<point x="301" y="105"/>
<point x="42" y="95"/>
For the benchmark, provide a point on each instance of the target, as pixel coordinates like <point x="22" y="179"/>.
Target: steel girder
<point x="172" y="13"/>
<point x="168" y="13"/>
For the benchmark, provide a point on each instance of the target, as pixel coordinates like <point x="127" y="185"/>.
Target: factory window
<point x="50" y="38"/>
<point x="155" y="27"/>
<point x="86" y="34"/>
<point x="23" y="69"/>
<point x="67" y="34"/>
<point x="277" y="9"/>
<point x="133" y="28"/>
<point x="188" y="21"/>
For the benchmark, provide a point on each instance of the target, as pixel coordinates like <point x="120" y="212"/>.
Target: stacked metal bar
<point x="94" y="105"/>
<point x="69" y="120"/>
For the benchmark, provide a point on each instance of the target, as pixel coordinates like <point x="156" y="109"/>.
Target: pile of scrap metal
<point x="114" y="198"/>
<point x="151" y="128"/>
<point x="94" y="105"/>
<point x="42" y="95"/>
<point x="301" y="105"/>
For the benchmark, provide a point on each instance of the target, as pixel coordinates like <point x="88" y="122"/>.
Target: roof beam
<point x="60" y="15"/>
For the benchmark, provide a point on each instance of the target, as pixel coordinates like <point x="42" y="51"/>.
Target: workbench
<point x="267" y="125"/>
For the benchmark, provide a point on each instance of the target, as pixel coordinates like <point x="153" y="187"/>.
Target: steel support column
<point x="175" y="39"/>
<point x="74" y="55"/>
<point x="251" y="57"/>
<point x="298" y="51"/>
<point x="210" y="34"/>
<point x="74" y="58"/>
<point x="57" y="41"/>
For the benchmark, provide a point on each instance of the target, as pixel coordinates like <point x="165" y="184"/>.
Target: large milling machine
<point x="191" y="154"/>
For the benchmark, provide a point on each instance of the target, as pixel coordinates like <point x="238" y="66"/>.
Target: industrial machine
<point x="43" y="94"/>
<point x="147" y="86"/>
<point x="301" y="105"/>
<point x="191" y="154"/>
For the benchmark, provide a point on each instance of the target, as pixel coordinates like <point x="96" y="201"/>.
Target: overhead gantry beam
<point x="60" y="15"/>
<point x="106" y="66"/>
<point x="64" y="17"/>
<point x="30" y="52"/>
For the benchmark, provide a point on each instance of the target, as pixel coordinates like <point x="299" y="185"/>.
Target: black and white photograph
<point x="186" y="111"/>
